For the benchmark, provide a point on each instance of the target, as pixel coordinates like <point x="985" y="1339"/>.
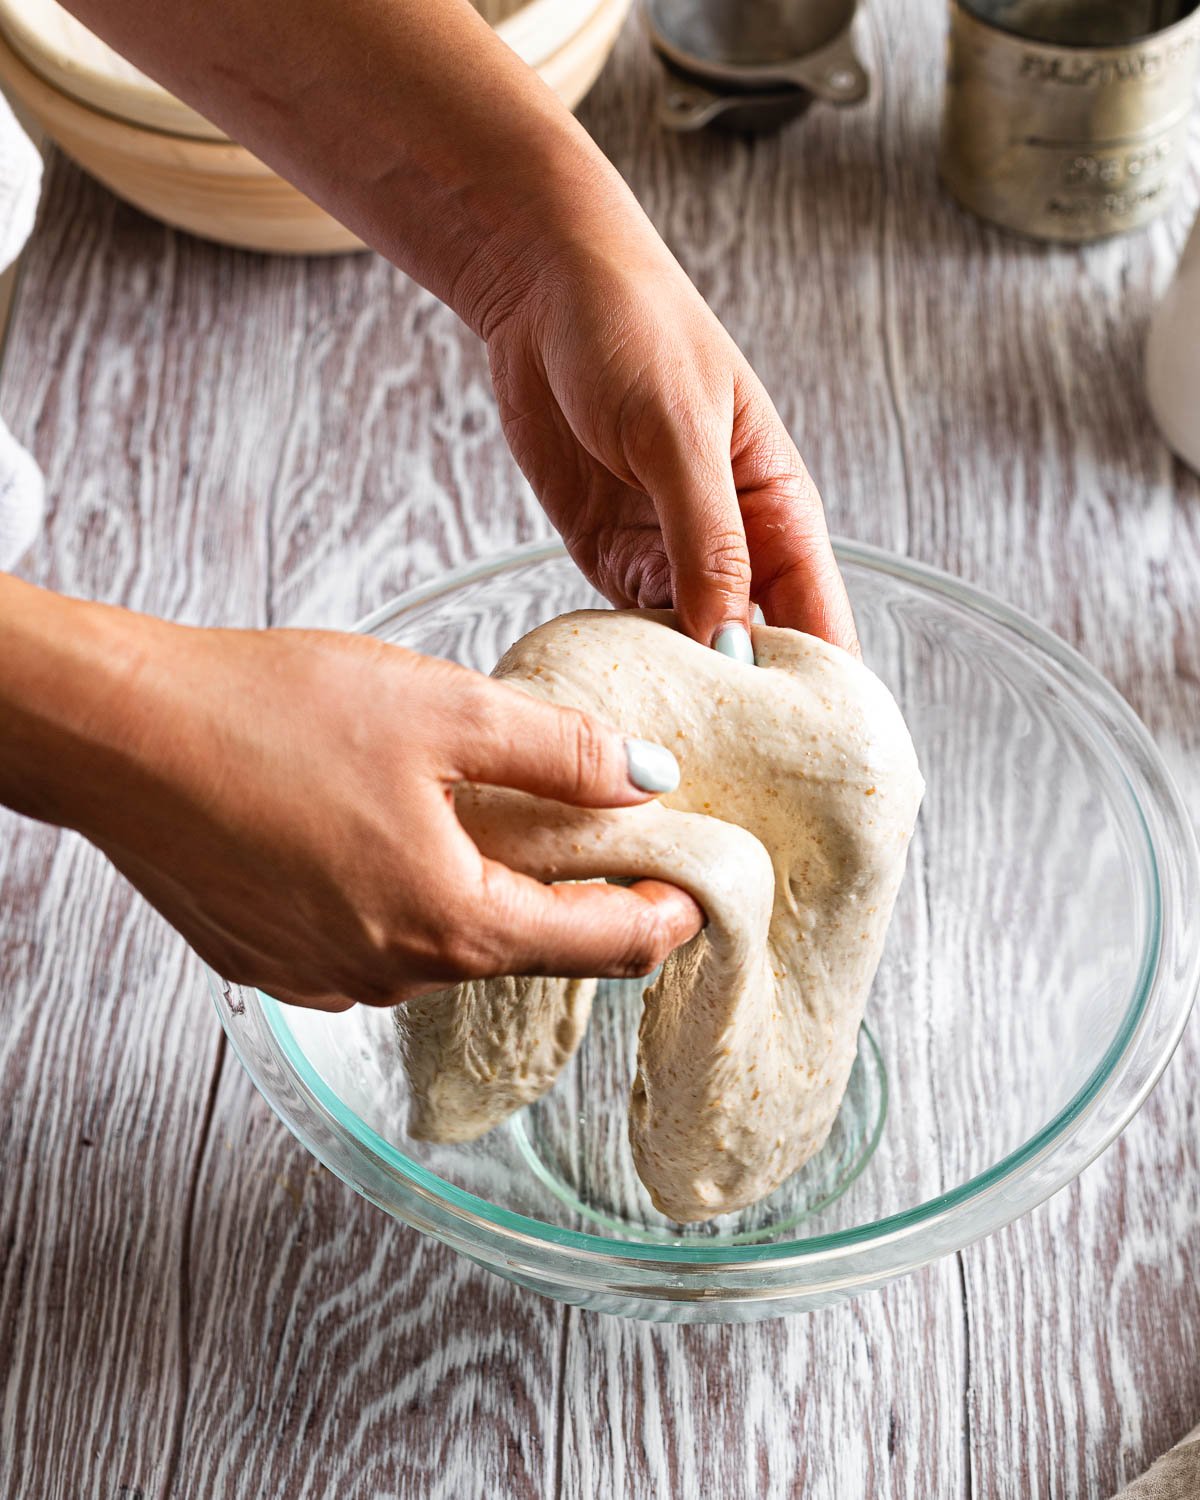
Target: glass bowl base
<point x="574" y="1140"/>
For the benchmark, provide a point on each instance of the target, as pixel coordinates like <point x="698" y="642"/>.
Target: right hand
<point x="286" y="800"/>
<point x="652" y="445"/>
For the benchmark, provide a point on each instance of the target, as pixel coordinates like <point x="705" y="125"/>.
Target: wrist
<point x="548" y="227"/>
<point x="526" y="224"/>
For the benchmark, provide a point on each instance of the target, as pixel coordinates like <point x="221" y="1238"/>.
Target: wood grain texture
<point x="187" y="1305"/>
<point x="105" y="1081"/>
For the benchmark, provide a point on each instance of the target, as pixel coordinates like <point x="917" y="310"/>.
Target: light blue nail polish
<point x="734" y="641"/>
<point x="652" y="768"/>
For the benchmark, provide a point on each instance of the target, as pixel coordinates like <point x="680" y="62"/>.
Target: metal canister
<point x="1051" y="135"/>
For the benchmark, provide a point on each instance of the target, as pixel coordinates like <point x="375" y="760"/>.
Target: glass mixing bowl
<point x="1037" y="976"/>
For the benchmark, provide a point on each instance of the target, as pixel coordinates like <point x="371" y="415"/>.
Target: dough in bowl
<point x="790" y="827"/>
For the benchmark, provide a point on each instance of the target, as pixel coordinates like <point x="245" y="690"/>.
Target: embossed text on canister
<point x="1059" y="139"/>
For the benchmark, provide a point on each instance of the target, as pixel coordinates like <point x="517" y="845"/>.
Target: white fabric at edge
<point x="22" y="492"/>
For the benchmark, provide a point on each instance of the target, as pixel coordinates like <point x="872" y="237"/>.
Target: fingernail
<point x="734" y="641"/>
<point x="652" y="768"/>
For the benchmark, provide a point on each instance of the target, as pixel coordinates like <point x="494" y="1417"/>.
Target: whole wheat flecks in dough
<point x="790" y="827"/>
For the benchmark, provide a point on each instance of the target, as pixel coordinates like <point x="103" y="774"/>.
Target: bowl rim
<point x="996" y="1188"/>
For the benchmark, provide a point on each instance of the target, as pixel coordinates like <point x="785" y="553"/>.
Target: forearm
<point x="410" y="120"/>
<point x="67" y="732"/>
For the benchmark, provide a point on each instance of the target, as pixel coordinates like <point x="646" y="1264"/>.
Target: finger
<point x="333" y="1004"/>
<point x="797" y="581"/>
<point x="586" y="931"/>
<point x="687" y="474"/>
<point x="623" y="554"/>
<point x="503" y="736"/>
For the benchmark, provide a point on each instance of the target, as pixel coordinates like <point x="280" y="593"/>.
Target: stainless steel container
<point x="1067" y="119"/>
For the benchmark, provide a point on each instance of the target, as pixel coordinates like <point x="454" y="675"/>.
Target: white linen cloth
<point x="22" y="492"/>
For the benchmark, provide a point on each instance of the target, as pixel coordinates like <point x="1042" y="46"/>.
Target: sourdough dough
<point x="790" y="827"/>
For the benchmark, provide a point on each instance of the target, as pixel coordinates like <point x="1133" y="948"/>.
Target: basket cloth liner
<point x="1176" y="1475"/>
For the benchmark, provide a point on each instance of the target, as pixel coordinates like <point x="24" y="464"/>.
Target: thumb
<point x="507" y="737"/>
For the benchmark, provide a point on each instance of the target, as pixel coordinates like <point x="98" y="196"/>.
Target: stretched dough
<point x="799" y="793"/>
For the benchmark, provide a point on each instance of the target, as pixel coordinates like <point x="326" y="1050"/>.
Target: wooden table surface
<point x="188" y="1305"/>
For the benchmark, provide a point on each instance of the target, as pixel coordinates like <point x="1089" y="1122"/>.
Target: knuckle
<point x="333" y="1004"/>
<point x="797" y="490"/>
<point x="369" y="989"/>
<point x="473" y="942"/>
<point x="806" y="560"/>
<point x="728" y="560"/>
<point x="457" y="932"/>
<point x="782" y="490"/>
<point x="640" y="968"/>
<point x="472" y="708"/>
<point x="465" y="954"/>
<point x="587" y="751"/>
<point x="646" y="946"/>
<point x="628" y="563"/>
<point x="478" y="955"/>
<point x="649" y="584"/>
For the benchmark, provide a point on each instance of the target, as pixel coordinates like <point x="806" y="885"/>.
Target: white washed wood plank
<point x="336" y="1352"/>
<point x="118" y="359"/>
<point x="903" y="342"/>
<point x="1036" y="471"/>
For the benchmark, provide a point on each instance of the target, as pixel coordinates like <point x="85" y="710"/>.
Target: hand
<point x="286" y="800"/>
<point x="647" y="437"/>
<point x="654" y="448"/>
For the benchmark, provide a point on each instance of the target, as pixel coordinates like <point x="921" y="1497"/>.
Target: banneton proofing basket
<point x="1036" y="979"/>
